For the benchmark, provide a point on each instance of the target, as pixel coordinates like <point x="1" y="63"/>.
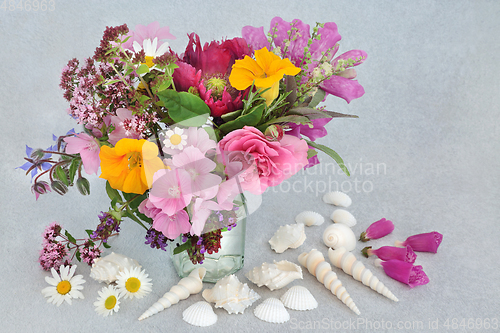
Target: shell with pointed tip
<point x="107" y="268"/>
<point x="309" y="218"/>
<point x="337" y="198"/>
<point x="276" y="275"/>
<point x="272" y="311"/>
<point x="344" y="259"/>
<point x="337" y="235"/>
<point x="232" y="295"/>
<point x="299" y="298"/>
<point x="344" y="217"/>
<point x="315" y="263"/>
<point x="200" y="314"/>
<point x="288" y="236"/>
<point x="191" y="284"/>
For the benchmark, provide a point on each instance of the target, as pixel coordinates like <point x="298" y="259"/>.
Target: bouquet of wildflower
<point x="178" y="137"/>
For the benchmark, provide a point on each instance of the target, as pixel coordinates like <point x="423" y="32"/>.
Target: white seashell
<point x="299" y="298"/>
<point x="200" y="314"/>
<point x="272" y="311"/>
<point x="191" y="284"/>
<point x="344" y="217"/>
<point x="106" y="269"/>
<point x="275" y="276"/>
<point x="337" y="235"/>
<point x="317" y="266"/>
<point x="337" y="198"/>
<point x="309" y="218"/>
<point x="288" y="236"/>
<point x="229" y="293"/>
<point x="344" y="259"/>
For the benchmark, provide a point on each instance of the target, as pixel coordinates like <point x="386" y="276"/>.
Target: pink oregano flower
<point x="428" y="242"/>
<point x="377" y="230"/>
<point x="88" y="148"/>
<point x="390" y="252"/>
<point x="404" y="272"/>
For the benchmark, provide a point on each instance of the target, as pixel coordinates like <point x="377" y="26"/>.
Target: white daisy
<point x="151" y="50"/>
<point x="133" y="283"/>
<point x="64" y="287"/>
<point x="108" y="301"/>
<point x="175" y="139"/>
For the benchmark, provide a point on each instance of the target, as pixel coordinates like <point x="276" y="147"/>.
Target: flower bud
<point x="428" y="242"/>
<point x="59" y="187"/>
<point x="40" y="188"/>
<point x="37" y="154"/>
<point x="404" y="272"/>
<point x="83" y="186"/>
<point x="377" y="230"/>
<point x="274" y="132"/>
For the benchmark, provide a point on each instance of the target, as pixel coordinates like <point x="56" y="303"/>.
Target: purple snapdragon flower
<point x="428" y="242"/>
<point x="390" y="252"/>
<point x="377" y="230"/>
<point x="404" y="272"/>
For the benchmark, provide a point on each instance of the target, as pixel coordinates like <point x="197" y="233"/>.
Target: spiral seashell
<point x="317" y="266"/>
<point x="232" y="295"/>
<point x="344" y="259"/>
<point x="337" y="198"/>
<point x="299" y="298"/>
<point x="344" y="217"/>
<point x="275" y="276"/>
<point x="309" y="218"/>
<point x="339" y="235"/>
<point x="288" y="236"/>
<point x="107" y="268"/>
<point x="272" y="311"/>
<point x="200" y="314"/>
<point x="191" y="284"/>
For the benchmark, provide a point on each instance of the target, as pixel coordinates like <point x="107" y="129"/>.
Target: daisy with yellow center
<point x="64" y="287"/>
<point x="133" y="283"/>
<point x="151" y="50"/>
<point x="108" y="301"/>
<point x="175" y="139"/>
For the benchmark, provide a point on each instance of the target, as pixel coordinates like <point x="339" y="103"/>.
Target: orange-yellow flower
<point x="266" y="70"/>
<point x="129" y="166"/>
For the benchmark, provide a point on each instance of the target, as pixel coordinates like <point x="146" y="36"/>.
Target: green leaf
<point x="89" y="232"/>
<point x="107" y="83"/>
<point x="106" y="245"/>
<point x="251" y="118"/>
<point x="296" y="119"/>
<point x="144" y="98"/>
<point x="70" y="238"/>
<point x="330" y="152"/>
<point x="182" y="247"/>
<point x="318" y="97"/>
<point x="61" y="175"/>
<point x="73" y="167"/>
<point x="77" y="255"/>
<point x="112" y="193"/>
<point x="312" y="113"/>
<point x="311" y="153"/>
<point x="165" y="84"/>
<point x="142" y="69"/>
<point x="231" y="115"/>
<point x="185" y="108"/>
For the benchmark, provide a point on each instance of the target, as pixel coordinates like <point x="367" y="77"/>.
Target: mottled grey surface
<point x="424" y="153"/>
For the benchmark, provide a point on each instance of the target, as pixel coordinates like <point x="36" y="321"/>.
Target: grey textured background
<point x="423" y="153"/>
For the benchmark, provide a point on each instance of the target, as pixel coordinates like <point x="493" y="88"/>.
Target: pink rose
<point x="274" y="161"/>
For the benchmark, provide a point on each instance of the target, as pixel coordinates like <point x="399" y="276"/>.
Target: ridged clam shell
<point x="276" y="275"/>
<point x="200" y="314"/>
<point x="337" y="198"/>
<point x="299" y="298"/>
<point x="272" y="311"/>
<point x="288" y="236"/>
<point x="344" y="217"/>
<point x="309" y="218"/>
<point x="337" y="235"/>
<point x="106" y="269"/>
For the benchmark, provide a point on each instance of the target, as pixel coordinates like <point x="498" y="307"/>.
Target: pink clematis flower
<point x="428" y="242"/>
<point x="404" y="272"/>
<point x="377" y="230"/>
<point x="88" y="148"/>
<point x="172" y="225"/>
<point x="171" y="190"/>
<point x="123" y="116"/>
<point x="390" y="252"/>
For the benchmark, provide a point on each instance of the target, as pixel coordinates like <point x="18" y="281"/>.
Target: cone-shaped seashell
<point x="337" y="198"/>
<point x="344" y="259"/>
<point x="317" y="266"/>
<point x="191" y="284"/>
<point x="106" y="269"/>
<point x="344" y="217"/>
<point x="272" y="311"/>
<point x="299" y="298"/>
<point x="339" y="235"/>
<point x="229" y="293"/>
<point x="200" y="314"/>
<point x="275" y="276"/>
<point x="309" y="218"/>
<point x="288" y="236"/>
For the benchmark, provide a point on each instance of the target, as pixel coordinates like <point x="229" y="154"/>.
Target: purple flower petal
<point x="405" y="272"/>
<point x="328" y="41"/>
<point x="397" y="253"/>
<point x="344" y="88"/>
<point x="255" y="37"/>
<point x="377" y="230"/>
<point x="428" y="242"/>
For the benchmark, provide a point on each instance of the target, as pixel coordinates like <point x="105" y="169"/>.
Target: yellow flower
<point x="266" y="70"/>
<point x="130" y="165"/>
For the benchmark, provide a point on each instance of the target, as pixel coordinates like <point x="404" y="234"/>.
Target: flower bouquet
<point x="180" y="137"/>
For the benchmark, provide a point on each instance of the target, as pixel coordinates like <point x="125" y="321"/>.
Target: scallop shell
<point x="229" y="293"/>
<point x="309" y="218"/>
<point x="200" y="314"/>
<point x="272" y="311"/>
<point x="337" y="235"/>
<point x="344" y="217"/>
<point x="107" y="268"/>
<point x="288" y="236"/>
<point x="337" y="198"/>
<point x="276" y="275"/>
<point x="299" y="298"/>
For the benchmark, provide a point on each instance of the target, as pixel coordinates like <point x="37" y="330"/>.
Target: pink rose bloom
<point x="118" y="121"/>
<point x="88" y="148"/>
<point x="275" y="161"/>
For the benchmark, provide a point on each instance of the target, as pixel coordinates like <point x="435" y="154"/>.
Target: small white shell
<point x="310" y="218"/>
<point x="272" y="311"/>
<point x="299" y="298"/>
<point x="344" y="217"/>
<point x="106" y="269"/>
<point x="275" y="276"/>
<point x="288" y="236"/>
<point x="337" y="198"/>
<point x="337" y="235"/>
<point x="200" y="314"/>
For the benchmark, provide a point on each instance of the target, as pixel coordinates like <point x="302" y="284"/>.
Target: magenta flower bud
<point x="274" y="132"/>
<point x="377" y="230"/>
<point x="405" y="254"/>
<point x="428" y="242"/>
<point x="404" y="272"/>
